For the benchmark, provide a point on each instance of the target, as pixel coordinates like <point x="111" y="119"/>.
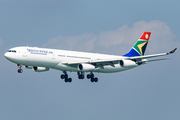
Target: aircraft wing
<point x="96" y="63"/>
<point x="102" y="62"/>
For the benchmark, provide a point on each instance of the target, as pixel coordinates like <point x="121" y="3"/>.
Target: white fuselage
<point x="55" y="59"/>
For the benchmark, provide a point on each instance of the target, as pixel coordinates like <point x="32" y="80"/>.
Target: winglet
<point x="173" y="51"/>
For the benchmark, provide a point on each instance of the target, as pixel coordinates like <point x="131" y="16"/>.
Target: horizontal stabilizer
<point x="145" y="60"/>
<point x="158" y="59"/>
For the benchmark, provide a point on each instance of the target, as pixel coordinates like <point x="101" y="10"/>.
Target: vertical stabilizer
<point x="139" y="48"/>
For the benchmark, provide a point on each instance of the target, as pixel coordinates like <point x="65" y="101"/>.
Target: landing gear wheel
<point x="88" y="76"/>
<point x="66" y="80"/>
<point x="62" y="76"/>
<point x="70" y="79"/>
<point x="95" y="79"/>
<point x="66" y="76"/>
<point x="20" y="70"/>
<point x="92" y="79"/>
<point x="92" y="75"/>
<point x="81" y="76"/>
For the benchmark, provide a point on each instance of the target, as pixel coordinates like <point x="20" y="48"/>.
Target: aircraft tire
<point x="62" y="76"/>
<point x="20" y="70"/>
<point x="92" y="79"/>
<point x="66" y="76"/>
<point x="79" y="76"/>
<point x="95" y="79"/>
<point x="88" y="76"/>
<point x="66" y="80"/>
<point x="69" y="79"/>
<point x="92" y="75"/>
<point x="82" y="76"/>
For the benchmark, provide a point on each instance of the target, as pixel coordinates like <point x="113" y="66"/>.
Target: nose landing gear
<point x="19" y="70"/>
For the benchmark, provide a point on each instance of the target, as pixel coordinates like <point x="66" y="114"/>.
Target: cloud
<point x="119" y="40"/>
<point x="84" y="41"/>
<point x="1" y="41"/>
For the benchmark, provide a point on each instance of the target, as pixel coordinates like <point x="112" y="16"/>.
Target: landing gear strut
<point x="65" y="77"/>
<point x="91" y="76"/>
<point x="80" y="75"/>
<point x="19" y="70"/>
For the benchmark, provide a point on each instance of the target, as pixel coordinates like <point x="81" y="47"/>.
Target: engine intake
<point x="40" y="69"/>
<point x="127" y="63"/>
<point x="86" y="67"/>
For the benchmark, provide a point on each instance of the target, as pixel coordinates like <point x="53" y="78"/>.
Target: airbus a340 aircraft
<point x="41" y="59"/>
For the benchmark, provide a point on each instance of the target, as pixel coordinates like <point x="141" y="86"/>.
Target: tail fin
<point x="139" y="48"/>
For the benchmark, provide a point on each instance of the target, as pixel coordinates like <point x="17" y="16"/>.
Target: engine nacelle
<point x="127" y="63"/>
<point x="86" y="67"/>
<point x="28" y="67"/>
<point x="40" y="69"/>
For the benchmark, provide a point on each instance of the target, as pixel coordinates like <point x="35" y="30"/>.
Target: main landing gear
<point x="65" y="77"/>
<point x="19" y="70"/>
<point x="91" y="76"/>
<point x="81" y="75"/>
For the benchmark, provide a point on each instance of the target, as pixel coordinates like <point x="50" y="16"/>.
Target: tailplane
<point x="139" y="48"/>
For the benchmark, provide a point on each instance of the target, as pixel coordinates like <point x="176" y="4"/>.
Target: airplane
<point x="42" y="59"/>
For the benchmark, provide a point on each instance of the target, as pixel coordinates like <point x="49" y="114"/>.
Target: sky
<point x="151" y="91"/>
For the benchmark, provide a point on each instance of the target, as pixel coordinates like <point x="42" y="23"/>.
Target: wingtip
<point x="173" y="50"/>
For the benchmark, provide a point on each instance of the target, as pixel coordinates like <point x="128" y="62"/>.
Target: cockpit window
<point x="12" y="51"/>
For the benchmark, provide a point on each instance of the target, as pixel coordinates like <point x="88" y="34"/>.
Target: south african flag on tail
<point x="139" y="48"/>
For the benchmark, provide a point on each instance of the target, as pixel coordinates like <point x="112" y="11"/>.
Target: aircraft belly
<point x="65" y="67"/>
<point x="107" y="68"/>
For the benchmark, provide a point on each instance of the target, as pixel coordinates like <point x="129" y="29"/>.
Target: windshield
<point x="12" y="51"/>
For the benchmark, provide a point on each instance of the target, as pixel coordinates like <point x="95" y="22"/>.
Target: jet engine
<point x="127" y="63"/>
<point x="40" y="69"/>
<point x="86" y="67"/>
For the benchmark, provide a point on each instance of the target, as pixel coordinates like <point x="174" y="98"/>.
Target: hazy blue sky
<point x="151" y="91"/>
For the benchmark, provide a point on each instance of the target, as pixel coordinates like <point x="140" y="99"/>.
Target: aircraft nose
<point x="10" y="56"/>
<point x="6" y="55"/>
